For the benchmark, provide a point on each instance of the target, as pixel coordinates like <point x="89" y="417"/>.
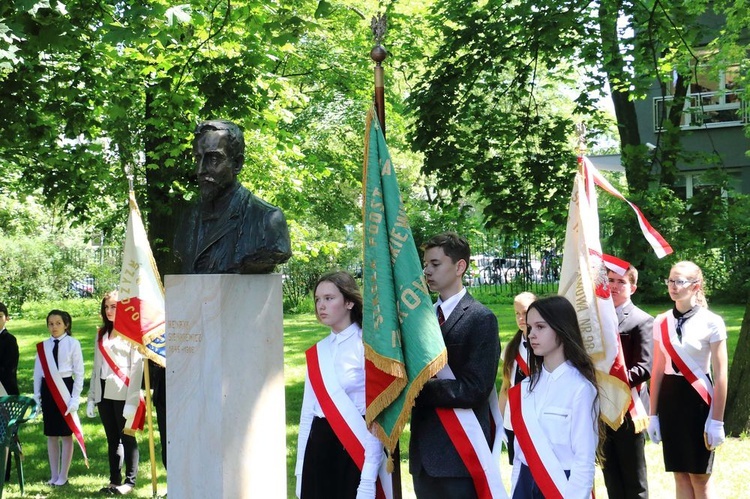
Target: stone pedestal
<point x="226" y="418"/>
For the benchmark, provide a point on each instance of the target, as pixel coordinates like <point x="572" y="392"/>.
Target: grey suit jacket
<point x="471" y="338"/>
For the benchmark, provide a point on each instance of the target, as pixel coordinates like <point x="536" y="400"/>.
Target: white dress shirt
<point x="449" y="305"/>
<point x="569" y="417"/>
<point x="698" y="332"/>
<point x="349" y="363"/>
<point x="69" y="363"/>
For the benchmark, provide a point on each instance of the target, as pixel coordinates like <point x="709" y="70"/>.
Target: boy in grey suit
<point x="471" y="337"/>
<point x="624" y="467"/>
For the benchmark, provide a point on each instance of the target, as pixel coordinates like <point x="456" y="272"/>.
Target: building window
<point x="710" y="103"/>
<point x="689" y="184"/>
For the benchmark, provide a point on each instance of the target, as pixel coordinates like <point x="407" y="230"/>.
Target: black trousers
<point x="624" y="467"/>
<point x="110" y="412"/>
<point x="328" y="472"/>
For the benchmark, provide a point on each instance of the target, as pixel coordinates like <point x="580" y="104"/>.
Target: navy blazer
<point x="637" y="338"/>
<point x="473" y="345"/>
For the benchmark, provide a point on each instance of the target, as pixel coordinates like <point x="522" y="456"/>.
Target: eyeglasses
<point x="680" y="283"/>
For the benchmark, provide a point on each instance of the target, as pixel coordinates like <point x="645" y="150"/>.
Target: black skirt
<point x="54" y="423"/>
<point x="328" y="471"/>
<point x="682" y="418"/>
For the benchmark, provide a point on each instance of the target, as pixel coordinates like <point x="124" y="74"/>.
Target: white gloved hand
<point x="298" y="486"/>
<point x="91" y="409"/>
<point x="366" y="489"/>
<point x="714" y="435"/>
<point x="128" y="411"/>
<point x="72" y="407"/>
<point x="654" y="430"/>
<point x="38" y="401"/>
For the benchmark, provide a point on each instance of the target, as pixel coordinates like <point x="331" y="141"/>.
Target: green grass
<point x="732" y="475"/>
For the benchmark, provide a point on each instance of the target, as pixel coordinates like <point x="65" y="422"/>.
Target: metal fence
<point x="507" y="265"/>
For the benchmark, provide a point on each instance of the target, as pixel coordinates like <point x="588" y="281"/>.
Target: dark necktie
<point x="678" y="328"/>
<point x="54" y="352"/>
<point x="440" y="316"/>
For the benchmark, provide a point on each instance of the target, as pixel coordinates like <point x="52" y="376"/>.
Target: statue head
<point x="219" y="153"/>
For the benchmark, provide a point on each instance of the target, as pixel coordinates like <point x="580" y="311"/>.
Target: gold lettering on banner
<point x="180" y="338"/>
<point x="386" y="170"/>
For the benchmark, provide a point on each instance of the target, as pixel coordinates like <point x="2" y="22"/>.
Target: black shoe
<point x="109" y="490"/>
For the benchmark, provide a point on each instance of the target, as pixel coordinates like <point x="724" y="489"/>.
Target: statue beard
<point x="209" y="189"/>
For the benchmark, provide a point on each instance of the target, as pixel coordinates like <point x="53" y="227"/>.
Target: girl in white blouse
<point x="688" y="383"/>
<point x="325" y="468"/>
<point x="64" y="360"/>
<point x="116" y="399"/>
<point x="555" y="411"/>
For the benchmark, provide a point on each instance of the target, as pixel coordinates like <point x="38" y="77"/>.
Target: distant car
<point x="83" y="288"/>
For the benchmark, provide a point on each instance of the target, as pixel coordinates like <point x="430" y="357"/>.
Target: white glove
<point x="129" y="411"/>
<point x="298" y="486"/>
<point x="38" y="401"/>
<point x="714" y="435"/>
<point x="91" y="409"/>
<point x="72" y="407"/>
<point x="366" y="489"/>
<point x="654" y="430"/>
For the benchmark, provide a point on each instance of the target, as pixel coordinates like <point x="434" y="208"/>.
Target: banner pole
<point x="379" y="25"/>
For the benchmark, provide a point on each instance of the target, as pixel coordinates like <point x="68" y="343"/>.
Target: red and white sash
<point x="684" y="362"/>
<point x="135" y="422"/>
<point x="521" y="357"/>
<point x="462" y="426"/>
<point x="345" y="420"/>
<point x="60" y="393"/>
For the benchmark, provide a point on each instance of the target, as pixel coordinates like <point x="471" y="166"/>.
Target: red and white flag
<point x="140" y="305"/>
<point x="583" y="281"/>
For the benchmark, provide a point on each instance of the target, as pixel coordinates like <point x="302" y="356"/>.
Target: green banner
<point x="403" y="343"/>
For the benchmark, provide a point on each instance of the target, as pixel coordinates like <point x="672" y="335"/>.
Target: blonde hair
<point x="526" y="298"/>
<point x="694" y="272"/>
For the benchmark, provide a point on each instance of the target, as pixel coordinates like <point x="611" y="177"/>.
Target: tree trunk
<point x="636" y="170"/>
<point x="737" y="414"/>
<point x="162" y="206"/>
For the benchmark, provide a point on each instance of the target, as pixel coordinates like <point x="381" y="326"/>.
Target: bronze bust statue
<point x="228" y="230"/>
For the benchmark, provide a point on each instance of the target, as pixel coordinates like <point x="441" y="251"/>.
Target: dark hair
<point x="3" y="309"/>
<point x="67" y="320"/>
<point x="348" y="287"/>
<point x="107" y="325"/>
<point x="454" y="246"/>
<point x="560" y="315"/>
<point x="236" y="137"/>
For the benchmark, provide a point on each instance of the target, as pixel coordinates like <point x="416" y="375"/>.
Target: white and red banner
<point x="140" y="305"/>
<point x="583" y="280"/>
<point x="658" y="243"/>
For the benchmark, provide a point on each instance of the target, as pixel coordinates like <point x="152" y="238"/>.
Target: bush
<point x="76" y="307"/>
